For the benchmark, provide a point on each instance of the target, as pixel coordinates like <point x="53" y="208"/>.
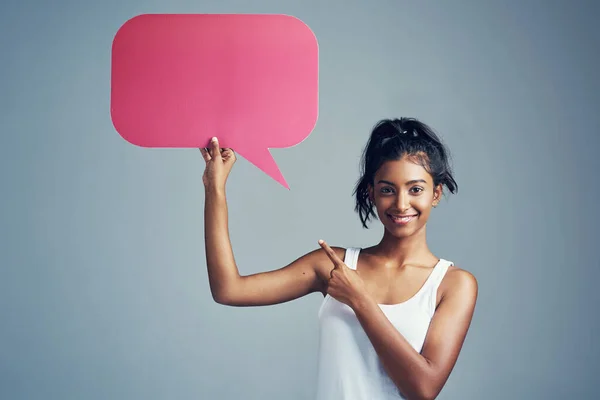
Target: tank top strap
<point x="351" y="257"/>
<point x="438" y="273"/>
<point x="430" y="288"/>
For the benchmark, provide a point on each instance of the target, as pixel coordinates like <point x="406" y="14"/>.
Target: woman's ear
<point x="371" y="194"/>
<point x="437" y="194"/>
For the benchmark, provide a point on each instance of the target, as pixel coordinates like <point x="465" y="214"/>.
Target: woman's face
<point x="403" y="195"/>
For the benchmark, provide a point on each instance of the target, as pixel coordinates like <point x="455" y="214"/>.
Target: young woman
<point x="394" y="316"/>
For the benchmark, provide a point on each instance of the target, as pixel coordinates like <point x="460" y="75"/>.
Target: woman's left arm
<point x="422" y="375"/>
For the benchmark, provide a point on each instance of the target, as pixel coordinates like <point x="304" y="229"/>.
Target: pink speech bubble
<point x="251" y="80"/>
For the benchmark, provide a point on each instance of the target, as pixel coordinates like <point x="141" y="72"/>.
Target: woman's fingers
<point x="214" y="148"/>
<point x="214" y="152"/>
<point x="228" y="154"/>
<point x="331" y="254"/>
<point x="205" y="154"/>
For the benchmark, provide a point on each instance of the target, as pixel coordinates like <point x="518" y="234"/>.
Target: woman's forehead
<point x="402" y="171"/>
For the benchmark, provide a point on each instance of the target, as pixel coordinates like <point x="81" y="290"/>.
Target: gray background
<point x="103" y="286"/>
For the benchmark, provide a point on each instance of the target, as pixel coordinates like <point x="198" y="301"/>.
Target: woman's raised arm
<point x="305" y="275"/>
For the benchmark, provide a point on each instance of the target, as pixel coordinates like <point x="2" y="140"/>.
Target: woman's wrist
<point x="216" y="189"/>
<point x="362" y="302"/>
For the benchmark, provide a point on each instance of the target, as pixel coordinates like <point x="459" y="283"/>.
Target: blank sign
<point x="251" y="80"/>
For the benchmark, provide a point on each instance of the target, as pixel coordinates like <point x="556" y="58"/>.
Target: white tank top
<point x="348" y="366"/>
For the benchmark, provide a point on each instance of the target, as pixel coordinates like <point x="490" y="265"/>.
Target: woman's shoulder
<point x="458" y="280"/>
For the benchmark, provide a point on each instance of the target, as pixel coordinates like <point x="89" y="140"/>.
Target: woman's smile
<point x="402" y="220"/>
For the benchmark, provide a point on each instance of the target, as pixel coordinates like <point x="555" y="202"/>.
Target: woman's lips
<point x="402" y="220"/>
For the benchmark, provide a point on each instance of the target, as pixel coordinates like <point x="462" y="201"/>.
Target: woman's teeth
<point x="402" y="220"/>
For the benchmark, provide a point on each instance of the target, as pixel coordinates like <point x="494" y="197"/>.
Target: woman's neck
<point x="397" y="252"/>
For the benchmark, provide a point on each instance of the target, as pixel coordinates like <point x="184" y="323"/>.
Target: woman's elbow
<point x="221" y="297"/>
<point x="427" y="391"/>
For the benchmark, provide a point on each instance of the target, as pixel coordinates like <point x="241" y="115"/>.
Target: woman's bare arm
<point x="305" y="275"/>
<point x="295" y="280"/>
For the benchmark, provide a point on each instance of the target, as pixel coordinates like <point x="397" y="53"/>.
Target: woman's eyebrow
<point x="416" y="181"/>
<point x="407" y="183"/>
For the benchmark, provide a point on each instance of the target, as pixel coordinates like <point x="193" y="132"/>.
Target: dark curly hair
<point x="392" y="139"/>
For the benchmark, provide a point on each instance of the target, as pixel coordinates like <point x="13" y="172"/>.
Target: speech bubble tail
<point x="263" y="160"/>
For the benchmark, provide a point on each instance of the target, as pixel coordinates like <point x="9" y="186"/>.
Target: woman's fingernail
<point x="214" y="139"/>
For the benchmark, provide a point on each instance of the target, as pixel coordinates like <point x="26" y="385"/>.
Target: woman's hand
<point x="345" y="285"/>
<point x="218" y="165"/>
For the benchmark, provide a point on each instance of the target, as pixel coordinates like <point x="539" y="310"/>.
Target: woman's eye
<point x="417" y="189"/>
<point x="386" y="190"/>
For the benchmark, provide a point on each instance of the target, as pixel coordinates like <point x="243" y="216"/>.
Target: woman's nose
<point x="402" y="202"/>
